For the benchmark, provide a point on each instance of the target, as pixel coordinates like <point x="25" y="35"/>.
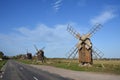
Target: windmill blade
<point x="36" y="48"/>
<point x="71" y="52"/>
<point x="97" y="53"/>
<point x="73" y="32"/>
<point x="94" y="56"/>
<point x="43" y="48"/>
<point x="27" y="50"/>
<point x="94" y="29"/>
<point x="75" y="54"/>
<point x="73" y="57"/>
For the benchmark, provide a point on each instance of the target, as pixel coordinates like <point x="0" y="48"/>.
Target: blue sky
<point x="24" y="23"/>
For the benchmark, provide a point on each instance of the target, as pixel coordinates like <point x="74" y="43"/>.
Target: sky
<point x="24" y="23"/>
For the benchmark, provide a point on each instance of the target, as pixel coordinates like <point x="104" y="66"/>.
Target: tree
<point x="1" y="54"/>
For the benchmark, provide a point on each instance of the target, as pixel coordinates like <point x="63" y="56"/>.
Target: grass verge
<point x="110" y="66"/>
<point x="2" y="63"/>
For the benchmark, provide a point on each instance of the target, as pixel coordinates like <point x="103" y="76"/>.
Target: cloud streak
<point x="57" y="5"/>
<point x="103" y="17"/>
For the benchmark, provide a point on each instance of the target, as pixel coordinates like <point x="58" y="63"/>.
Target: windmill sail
<point x="43" y="48"/>
<point x="73" y="32"/>
<point x="75" y="53"/>
<point x="27" y="50"/>
<point x="72" y="52"/>
<point x="36" y="48"/>
<point x="94" y="29"/>
<point x="98" y="54"/>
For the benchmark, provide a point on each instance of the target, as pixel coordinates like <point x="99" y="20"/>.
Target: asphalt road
<point x="18" y="71"/>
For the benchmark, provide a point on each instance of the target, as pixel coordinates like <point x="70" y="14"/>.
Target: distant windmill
<point x="40" y="54"/>
<point x="84" y="46"/>
<point x="29" y="55"/>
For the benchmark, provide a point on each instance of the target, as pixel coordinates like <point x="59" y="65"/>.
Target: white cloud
<point x="57" y="5"/>
<point x="56" y="40"/>
<point x="45" y="33"/>
<point x="103" y="17"/>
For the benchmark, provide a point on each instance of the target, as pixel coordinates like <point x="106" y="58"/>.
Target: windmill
<point x="40" y="54"/>
<point x="84" y="47"/>
<point x="29" y="55"/>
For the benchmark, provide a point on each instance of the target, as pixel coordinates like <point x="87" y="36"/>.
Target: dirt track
<point x="77" y="75"/>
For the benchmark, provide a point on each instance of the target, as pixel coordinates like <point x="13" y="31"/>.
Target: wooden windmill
<point x="29" y="55"/>
<point x="40" y="54"/>
<point x="84" y="47"/>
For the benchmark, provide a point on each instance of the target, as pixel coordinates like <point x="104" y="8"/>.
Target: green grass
<point x="30" y="62"/>
<point x="110" y="66"/>
<point x="2" y="63"/>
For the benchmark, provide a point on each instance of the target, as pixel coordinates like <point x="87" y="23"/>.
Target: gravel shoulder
<point x="77" y="75"/>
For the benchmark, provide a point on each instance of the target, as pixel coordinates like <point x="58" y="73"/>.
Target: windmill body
<point x="28" y="55"/>
<point x="85" y="52"/>
<point x="84" y="47"/>
<point x="40" y="54"/>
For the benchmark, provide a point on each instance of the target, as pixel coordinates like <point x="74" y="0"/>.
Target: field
<point x="2" y="63"/>
<point x="103" y="66"/>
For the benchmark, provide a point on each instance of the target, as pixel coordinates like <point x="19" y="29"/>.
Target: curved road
<point x="18" y="71"/>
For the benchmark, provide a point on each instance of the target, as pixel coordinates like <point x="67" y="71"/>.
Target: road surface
<point x="18" y="71"/>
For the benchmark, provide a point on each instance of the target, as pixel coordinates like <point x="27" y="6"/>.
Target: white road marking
<point x="21" y="68"/>
<point x="35" y="78"/>
<point x="1" y="76"/>
<point x="2" y="72"/>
